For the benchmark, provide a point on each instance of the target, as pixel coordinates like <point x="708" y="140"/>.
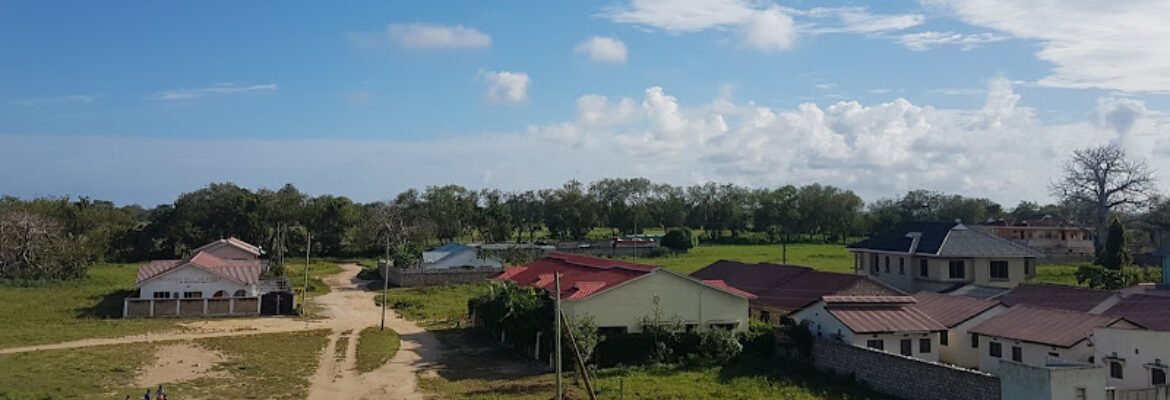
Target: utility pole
<point x="308" y="246"/>
<point x="557" y="347"/>
<point x="385" y="281"/>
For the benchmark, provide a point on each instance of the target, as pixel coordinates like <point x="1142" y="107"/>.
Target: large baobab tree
<point x="1104" y="179"/>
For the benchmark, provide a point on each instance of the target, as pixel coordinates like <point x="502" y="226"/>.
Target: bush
<point x="1098" y="277"/>
<point x="628" y="349"/>
<point x="679" y="239"/>
<point x="759" y="340"/>
<point x="716" y="347"/>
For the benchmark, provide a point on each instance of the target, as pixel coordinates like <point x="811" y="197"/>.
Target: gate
<point x="276" y="303"/>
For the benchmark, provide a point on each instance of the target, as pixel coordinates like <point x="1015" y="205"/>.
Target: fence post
<point x="205" y="306"/>
<point x="258" y="304"/>
<point x="152" y="308"/>
<point x="125" y="307"/>
<point x="178" y="307"/>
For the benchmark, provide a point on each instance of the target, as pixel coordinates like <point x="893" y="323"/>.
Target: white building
<point x="457" y="255"/>
<point x="202" y="276"/>
<point x="888" y="323"/>
<point x="959" y="314"/>
<point x="1038" y="336"/>
<point x="1054" y="381"/>
<point x="1134" y="359"/>
<point x="230" y="249"/>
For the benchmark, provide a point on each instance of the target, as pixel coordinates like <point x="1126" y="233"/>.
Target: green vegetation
<point x="376" y="347"/>
<point x="295" y="270"/>
<point x="825" y="257"/>
<point x="434" y="307"/>
<point x="71" y="310"/>
<point x="1060" y="274"/>
<point x="268" y="366"/>
<point x="83" y="373"/>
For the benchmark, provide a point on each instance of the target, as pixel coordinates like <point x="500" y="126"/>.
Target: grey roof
<point x="944" y="240"/>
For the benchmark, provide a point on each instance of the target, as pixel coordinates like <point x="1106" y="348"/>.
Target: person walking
<point x="160" y="394"/>
<point x="147" y="396"/>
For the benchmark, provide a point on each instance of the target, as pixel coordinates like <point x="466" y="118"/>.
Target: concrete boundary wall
<point x="437" y="277"/>
<point x="904" y="377"/>
<point x="206" y="307"/>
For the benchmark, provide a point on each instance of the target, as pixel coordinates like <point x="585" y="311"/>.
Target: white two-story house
<point x="937" y="257"/>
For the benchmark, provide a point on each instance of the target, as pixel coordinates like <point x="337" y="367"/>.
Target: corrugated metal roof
<point x="231" y="241"/>
<point x="1152" y="312"/>
<point x="787" y="287"/>
<point x="725" y="287"/>
<point x="885" y="319"/>
<point x="1061" y="328"/>
<point x="244" y="271"/>
<point x="1056" y="296"/>
<point x="584" y="276"/>
<point x="945" y="239"/>
<point x="951" y="310"/>
<point x="833" y="300"/>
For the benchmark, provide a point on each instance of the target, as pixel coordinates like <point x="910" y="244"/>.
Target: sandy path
<point x="348" y="309"/>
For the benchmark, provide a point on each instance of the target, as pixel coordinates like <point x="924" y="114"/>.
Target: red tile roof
<point x="243" y="271"/>
<point x="1056" y="296"/>
<point x="584" y="276"/>
<point x="1152" y="312"/>
<point x="884" y="318"/>
<point x="231" y="241"/>
<point x="723" y="285"/>
<point x="1047" y="326"/>
<point x="787" y="287"/>
<point x="951" y="310"/>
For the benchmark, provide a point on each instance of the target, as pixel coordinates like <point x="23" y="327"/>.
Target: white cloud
<point x="218" y="89"/>
<point x="959" y="91"/>
<point x="1092" y="43"/>
<point x="435" y="36"/>
<point x="923" y="41"/>
<point x="56" y="100"/>
<point x="1000" y="150"/>
<point x="506" y="86"/>
<point x="603" y="49"/>
<point x="763" y="25"/>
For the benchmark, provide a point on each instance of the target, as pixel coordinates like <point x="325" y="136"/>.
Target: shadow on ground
<point x="108" y="305"/>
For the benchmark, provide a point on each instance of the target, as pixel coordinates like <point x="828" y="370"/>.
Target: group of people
<point x="158" y="394"/>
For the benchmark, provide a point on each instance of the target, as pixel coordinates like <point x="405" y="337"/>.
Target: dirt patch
<point x="179" y="362"/>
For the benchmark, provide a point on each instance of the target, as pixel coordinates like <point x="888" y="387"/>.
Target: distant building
<point x="1134" y="359"/>
<point x="888" y="323"/>
<point x="619" y="294"/>
<point x="1055" y="238"/>
<point x="783" y="289"/>
<point x="938" y="257"/>
<point x="959" y="314"/>
<point x="457" y="255"/>
<point x="1037" y="336"/>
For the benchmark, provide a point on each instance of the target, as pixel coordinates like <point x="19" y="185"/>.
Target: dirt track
<point x="347" y="310"/>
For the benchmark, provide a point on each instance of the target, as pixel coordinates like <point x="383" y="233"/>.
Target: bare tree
<point x="33" y="247"/>
<point x="1103" y="179"/>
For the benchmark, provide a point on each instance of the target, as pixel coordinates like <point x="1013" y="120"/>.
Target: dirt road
<point x="347" y="309"/>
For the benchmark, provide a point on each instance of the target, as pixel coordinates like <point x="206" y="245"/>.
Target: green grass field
<point x="434" y="307"/>
<point x="376" y="347"/>
<point x="824" y="257"/>
<point x="270" y="366"/>
<point x="72" y="310"/>
<point x="317" y="269"/>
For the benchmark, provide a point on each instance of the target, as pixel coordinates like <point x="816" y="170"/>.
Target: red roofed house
<point x="889" y="323"/>
<point x="1033" y="335"/>
<point x="958" y="314"/>
<point x="618" y="294"/>
<point x="228" y="268"/>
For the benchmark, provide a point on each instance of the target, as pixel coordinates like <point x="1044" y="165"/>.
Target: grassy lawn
<point x="1063" y="274"/>
<point x="434" y="307"/>
<point x="317" y="269"/>
<point x="269" y="366"/>
<point x="824" y="257"/>
<point x="375" y="347"/>
<point x="81" y="309"/>
<point x="92" y="372"/>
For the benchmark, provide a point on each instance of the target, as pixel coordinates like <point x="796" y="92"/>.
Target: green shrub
<point x="679" y="240"/>
<point x="759" y="340"/>
<point x="716" y="347"/>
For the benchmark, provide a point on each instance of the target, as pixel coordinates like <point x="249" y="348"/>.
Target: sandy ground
<point x="178" y="363"/>
<point x="347" y="309"/>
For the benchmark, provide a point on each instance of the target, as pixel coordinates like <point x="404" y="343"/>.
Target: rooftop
<point x="244" y="271"/>
<point x="789" y="287"/>
<point x="951" y="310"/>
<point x="944" y="239"/>
<point x="1056" y="296"/>
<point x="584" y="276"/>
<point x="1152" y="312"/>
<point x="880" y="314"/>
<point x="1047" y="326"/>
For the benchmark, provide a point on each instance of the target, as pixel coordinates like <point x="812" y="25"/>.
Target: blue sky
<point x="139" y="101"/>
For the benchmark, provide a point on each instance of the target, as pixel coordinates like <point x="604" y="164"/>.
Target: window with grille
<point x="995" y="349"/>
<point x="958" y="269"/>
<point x="999" y="270"/>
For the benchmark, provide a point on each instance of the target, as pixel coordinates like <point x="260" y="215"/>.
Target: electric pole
<point x="385" y="281"/>
<point x="557" y="347"/>
<point x="308" y="246"/>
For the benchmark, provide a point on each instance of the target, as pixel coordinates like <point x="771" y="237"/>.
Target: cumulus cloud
<point x="1092" y="43"/>
<point x="603" y="49"/>
<point x="218" y="89"/>
<point x="1000" y="150"/>
<point x="423" y="36"/>
<point x="506" y="86"/>
<point x="761" y="25"/>
<point x="923" y="41"/>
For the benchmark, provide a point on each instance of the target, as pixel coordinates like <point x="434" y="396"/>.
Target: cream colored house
<point x="888" y="323"/>
<point x="959" y="314"/>
<point x="230" y="249"/>
<point x="618" y="295"/>
<point x="931" y="256"/>
<point x="1134" y="359"/>
<point x="1039" y="336"/>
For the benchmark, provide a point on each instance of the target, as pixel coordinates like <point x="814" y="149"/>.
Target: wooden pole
<point x="305" y="291"/>
<point x="385" y="282"/>
<point x="557" y="335"/>
<point x="577" y="357"/>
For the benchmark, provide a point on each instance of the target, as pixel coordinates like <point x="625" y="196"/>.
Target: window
<point x="240" y="293"/>
<point x="192" y="295"/>
<point x="1054" y="355"/>
<point x="727" y="326"/>
<point x="887" y="264"/>
<point x="995" y="349"/>
<point x="876" y="344"/>
<point x="923" y="269"/>
<point x="907" y="347"/>
<point x="974" y="341"/>
<point x="1116" y="369"/>
<point x="1029" y="269"/>
<point x="924" y="345"/>
<point x="1157" y="376"/>
<point x="162" y="295"/>
<point x="1017" y="354"/>
<point x="611" y="331"/>
<point x="999" y="270"/>
<point x="902" y="266"/>
<point x="873" y="263"/>
<point x="958" y="269"/>
<point x="1080" y="394"/>
<point x="219" y="293"/>
<point x="944" y="338"/>
<point x="766" y="316"/>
